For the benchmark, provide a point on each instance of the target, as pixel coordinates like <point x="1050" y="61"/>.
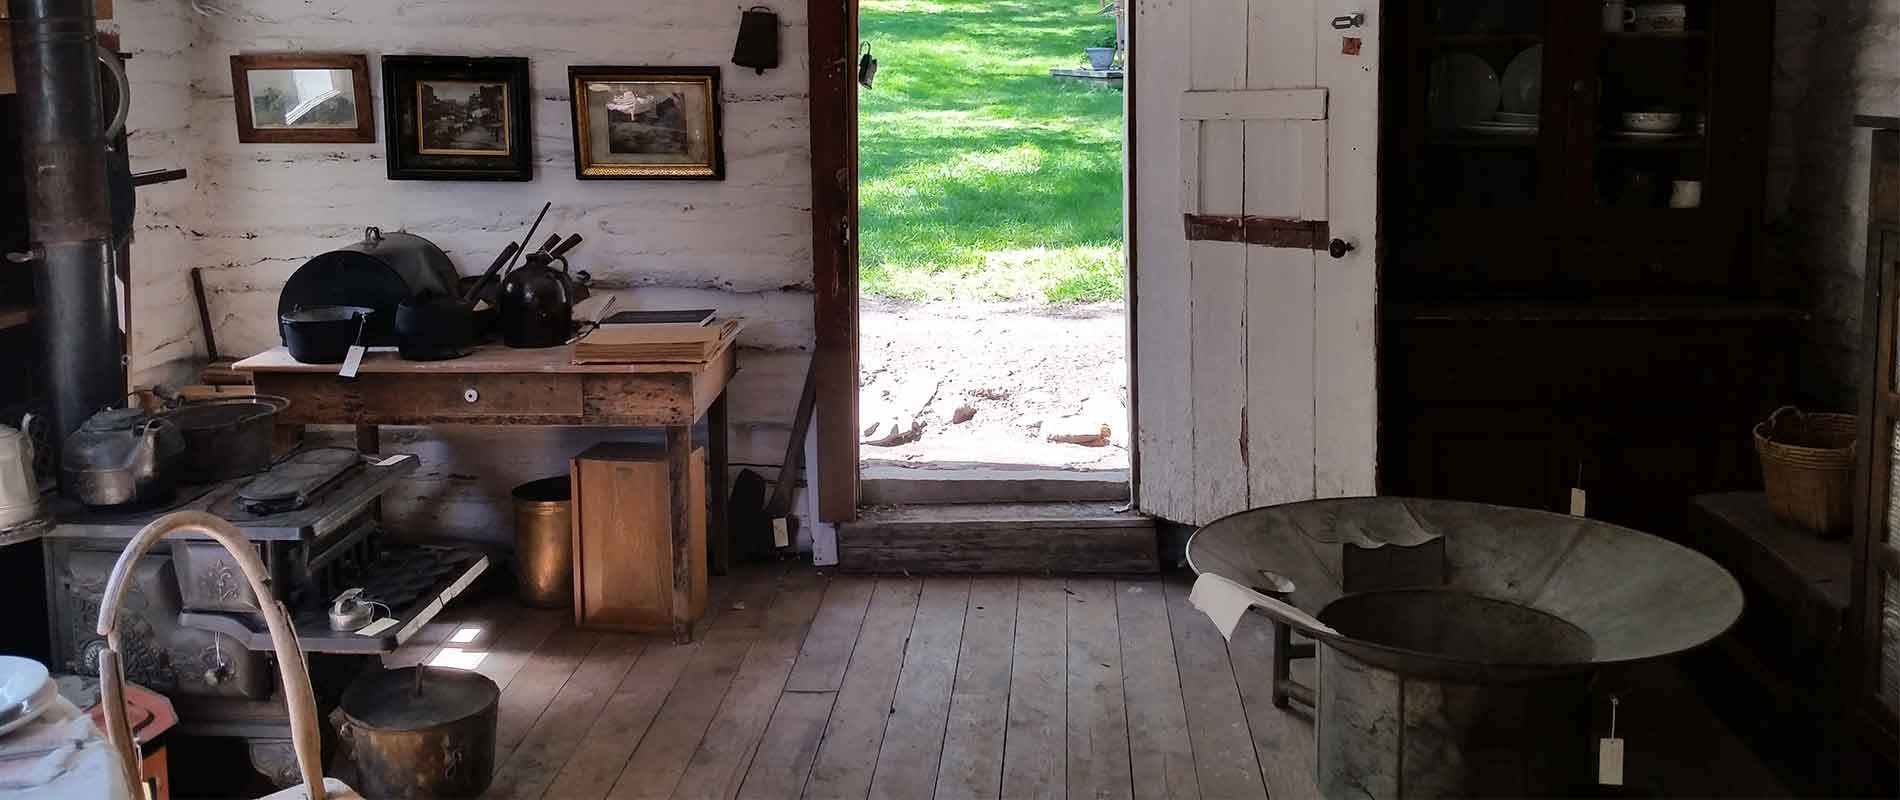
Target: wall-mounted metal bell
<point x="758" y="40"/>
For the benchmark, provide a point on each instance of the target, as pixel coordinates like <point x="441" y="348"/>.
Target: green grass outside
<point x="980" y="176"/>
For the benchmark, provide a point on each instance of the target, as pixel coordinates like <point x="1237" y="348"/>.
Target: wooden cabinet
<point x="1874" y="677"/>
<point x="1566" y="301"/>
<point x="627" y="572"/>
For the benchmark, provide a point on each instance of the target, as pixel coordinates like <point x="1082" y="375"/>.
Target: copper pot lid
<point x="419" y="698"/>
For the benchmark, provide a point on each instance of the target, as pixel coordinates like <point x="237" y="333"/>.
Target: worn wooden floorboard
<point x="785" y="752"/>
<point x="1217" y="726"/>
<point x="913" y="736"/>
<point x="1160" y="755"/>
<point x="1035" y="739"/>
<point x="848" y="755"/>
<point x="670" y="740"/>
<point x="560" y="729"/>
<point x="1097" y="715"/>
<point x="954" y="688"/>
<point x="972" y="762"/>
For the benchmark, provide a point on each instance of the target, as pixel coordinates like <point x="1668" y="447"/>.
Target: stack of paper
<point x="639" y="344"/>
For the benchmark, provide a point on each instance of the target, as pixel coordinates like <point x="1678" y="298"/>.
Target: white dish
<point x="20" y="679"/>
<point x="1513" y="118"/>
<point x="1651" y="121"/>
<point x="1523" y="87"/>
<point x="1464" y="90"/>
<point x="1647" y="136"/>
<point x="33" y="708"/>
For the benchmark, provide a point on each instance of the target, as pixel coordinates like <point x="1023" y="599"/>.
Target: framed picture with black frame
<point x="646" y="123"/>
<point x="450" y="118"/>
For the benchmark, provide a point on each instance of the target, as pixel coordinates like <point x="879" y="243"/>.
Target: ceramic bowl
<point x="1652" y="121"/>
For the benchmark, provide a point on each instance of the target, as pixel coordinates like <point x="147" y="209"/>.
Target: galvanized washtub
<point x="1459" y="639"/>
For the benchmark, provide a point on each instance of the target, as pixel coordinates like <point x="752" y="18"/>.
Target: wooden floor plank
<point x="535" y="686"/>
<point x="972" y="763"/>
<point x="784" y="756"/>
<point x="1097" y="714"/>
<point x="913" y="736"/>
<point x="1161" y="759"/>
<point x="661" y="758"/>
<point x="848" y="755"/>
<point x="610" y="741"/>
<point x="427" y="641"/>
<point x="1282" y="742"/>
<point x="1035" y="743"/>
<point x="1217" y="725"/>
<point x="504" y="646"/>
<point x="827" y="649"/>
<point x="718" y="767"/>
<point x="559" y="731"/>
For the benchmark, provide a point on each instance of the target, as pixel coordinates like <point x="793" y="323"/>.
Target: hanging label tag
<point x="377" y="627"/>
<point x="1577" y="502"/>
<point x="1610" y="762"/>
<point x="780" y="536"/>
<point x="353" y="361"/>
<point x="397" y="458"/>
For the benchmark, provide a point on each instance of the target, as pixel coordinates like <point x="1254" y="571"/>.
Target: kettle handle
<point x="372" y="235"/>
<point x="563" y="260"/>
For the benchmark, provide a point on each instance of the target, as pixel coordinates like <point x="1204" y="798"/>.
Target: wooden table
<point x="496" y="385"/>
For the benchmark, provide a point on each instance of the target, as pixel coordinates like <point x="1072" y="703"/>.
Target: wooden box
<point x="624" y="553"/>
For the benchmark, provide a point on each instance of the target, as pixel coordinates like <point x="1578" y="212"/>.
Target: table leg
<point x="679" y="460"/>
<point x="718" y="535"/>
<point x="1282" y="662"/>
<point x="369" y="439"/>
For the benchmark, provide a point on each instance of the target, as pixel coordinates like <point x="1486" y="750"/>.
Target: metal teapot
<point x="537" y="303"/>
<point x="121" y="456"/>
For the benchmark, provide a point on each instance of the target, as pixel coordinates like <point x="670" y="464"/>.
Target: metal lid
<point x="389" y="700"/>
<point x="114" y="419"/>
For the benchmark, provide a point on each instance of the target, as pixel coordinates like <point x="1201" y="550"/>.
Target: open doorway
<point x="992" y="271"/>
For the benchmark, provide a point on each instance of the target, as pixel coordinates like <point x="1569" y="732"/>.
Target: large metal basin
<point x="1463" y="636"/>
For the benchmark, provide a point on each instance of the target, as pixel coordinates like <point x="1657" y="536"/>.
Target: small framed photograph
<point x="301" y="98"/>
<point x="457" y="119"/>
<point x="644" y="123"/>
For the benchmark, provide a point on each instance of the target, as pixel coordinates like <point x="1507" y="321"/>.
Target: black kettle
<point x="537" y="303"/>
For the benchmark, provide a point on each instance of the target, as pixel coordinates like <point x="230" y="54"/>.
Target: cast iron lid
<point x="389" y="701"/>
<point x="221" y="413"/>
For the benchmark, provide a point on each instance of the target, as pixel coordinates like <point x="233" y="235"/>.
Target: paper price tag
<point x="1610" y="762"/>
<point x="780" y="536"/>
<point x="377" y="627"/>
<point x="1578" y="501"/>
<point x="353" y="361"/>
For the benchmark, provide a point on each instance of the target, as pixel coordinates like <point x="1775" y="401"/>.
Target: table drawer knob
<point x="469" y="395"/>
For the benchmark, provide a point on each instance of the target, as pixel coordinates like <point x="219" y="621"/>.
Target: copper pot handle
<point x="293" y="673"/>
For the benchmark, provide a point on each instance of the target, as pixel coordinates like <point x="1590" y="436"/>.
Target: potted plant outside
<point x="1102" y="56"/>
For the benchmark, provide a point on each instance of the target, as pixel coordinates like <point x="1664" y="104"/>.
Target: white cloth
<point x="80" y="764"/>
<point x="1223" y="601"/>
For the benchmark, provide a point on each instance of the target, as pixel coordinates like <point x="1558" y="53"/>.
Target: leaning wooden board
<point x="103" y="10"/>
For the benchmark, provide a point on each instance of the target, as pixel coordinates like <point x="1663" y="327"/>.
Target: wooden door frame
<point x="832" y="31"/>
<point x="832" y="41"/>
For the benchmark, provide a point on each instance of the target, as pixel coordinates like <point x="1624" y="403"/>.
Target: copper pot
<point x="421" y="732"/>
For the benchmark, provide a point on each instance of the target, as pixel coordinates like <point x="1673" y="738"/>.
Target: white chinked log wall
<point x="252" y="213"/>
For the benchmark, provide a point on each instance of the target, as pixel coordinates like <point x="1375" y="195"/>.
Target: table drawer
<point x="449" y="397"/>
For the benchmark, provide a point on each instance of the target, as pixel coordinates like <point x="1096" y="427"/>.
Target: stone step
<point x="896" y="485"/>
<point x="999" y="537"/>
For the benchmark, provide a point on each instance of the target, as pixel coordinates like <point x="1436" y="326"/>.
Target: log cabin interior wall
<point x="252" y="213"/>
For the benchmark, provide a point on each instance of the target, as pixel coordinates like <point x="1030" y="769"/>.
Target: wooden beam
<point x="832" y="41"/>
<point x="1299" y="234"/>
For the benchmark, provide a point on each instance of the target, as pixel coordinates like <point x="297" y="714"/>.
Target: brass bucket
<point x="544" y="547"/>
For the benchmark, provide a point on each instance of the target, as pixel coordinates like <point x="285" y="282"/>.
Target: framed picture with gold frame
<point x="458" y="119"/>
<point x="646" y="123"/>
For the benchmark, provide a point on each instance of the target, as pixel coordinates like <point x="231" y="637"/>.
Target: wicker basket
<point x="1807" y="465"/>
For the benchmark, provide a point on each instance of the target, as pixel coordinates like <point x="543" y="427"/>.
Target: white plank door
<point x="1255" y="146"/>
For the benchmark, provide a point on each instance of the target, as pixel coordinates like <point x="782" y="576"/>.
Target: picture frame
<point x="647" y="123"/>
<point x="302" y="98"/>
<point x="453" y="118"/>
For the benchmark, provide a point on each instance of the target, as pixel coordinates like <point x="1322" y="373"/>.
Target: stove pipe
<point x="63" y="149"/>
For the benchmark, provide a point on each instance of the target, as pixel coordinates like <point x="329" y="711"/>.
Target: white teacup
<point x="1661" y="17"/>
<point x="1685" y="194"/>
<point x="1617" y="15"/>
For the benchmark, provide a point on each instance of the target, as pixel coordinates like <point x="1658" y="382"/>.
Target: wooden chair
<point x="293" y="674"/>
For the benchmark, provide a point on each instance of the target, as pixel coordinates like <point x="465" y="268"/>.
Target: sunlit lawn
<point x="982" y="177"/>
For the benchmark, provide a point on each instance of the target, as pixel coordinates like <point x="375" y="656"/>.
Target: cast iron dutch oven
<point x="323" y="334"/>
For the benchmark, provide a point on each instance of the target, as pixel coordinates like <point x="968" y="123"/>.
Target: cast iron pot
<point x="323" y="334"/>
<point x="225" y="438"/>
<point x="421" y="732"/>
<point x="434" y="328"/>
